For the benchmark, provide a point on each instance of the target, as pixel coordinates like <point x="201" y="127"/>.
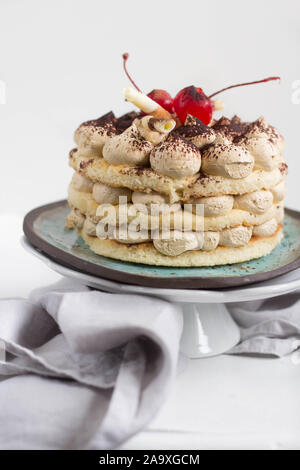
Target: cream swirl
<point x="280" y="215"/>
<point x="279" y="191"/>
<point x="265" y="144"/>
<point x="266" y="229"/>
<point x="128" y="148"/>
<point x="196" y="132"/>
<point x="229" y="128"/>
<point x="89" y="227"/>
<point x="131" y="237"/>
<point x="81" y="183"/>
<point x="176" y="242"/>
<point x="261" y="127"/>
<point x="256" y="202"/>
<point x="210" y="241"/>
<point x="227" y="160"/>
<point x="176" y="157"/>
<point x="235" y="237"/>
<point x="91" y="136"/>
<point x="75" y="219"/>
<point x="213" y="206"/>
<point x="157" y="203"/>
<point x="104" y="194"/>
<point x="123" y="234"/>
<point x="149" y="198"/>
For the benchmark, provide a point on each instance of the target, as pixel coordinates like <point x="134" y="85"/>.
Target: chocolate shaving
<point x="84" y="164"/>
<point x="283" y="168"/>
<point x="72" y="152"/>
<point x="125" y="121"/>
<point x="108" y="118"/>
<point x="106" y="123"/>
<point x="193" y="127"/>
<point x="234" y="127"/>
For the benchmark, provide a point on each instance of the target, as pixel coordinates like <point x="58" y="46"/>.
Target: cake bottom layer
<point x="145" y="253"/>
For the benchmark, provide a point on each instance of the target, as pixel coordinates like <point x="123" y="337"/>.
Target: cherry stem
<point x="245" y="84"/>
<point x="125" y="58"/>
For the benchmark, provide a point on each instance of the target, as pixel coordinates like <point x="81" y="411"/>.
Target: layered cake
<point x="168" y="185"/>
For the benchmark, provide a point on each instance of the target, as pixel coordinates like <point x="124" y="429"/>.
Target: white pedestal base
<point x="208" y="330"/>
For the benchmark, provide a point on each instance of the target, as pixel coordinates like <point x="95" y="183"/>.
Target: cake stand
<point x="208" y="329"/>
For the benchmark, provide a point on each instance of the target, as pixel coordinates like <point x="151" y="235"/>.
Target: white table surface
<point x="227" y="402"/>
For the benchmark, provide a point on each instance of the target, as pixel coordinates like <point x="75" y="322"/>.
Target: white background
<point x="61" y="62"/>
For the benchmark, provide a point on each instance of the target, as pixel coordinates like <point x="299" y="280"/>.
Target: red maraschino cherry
<point x="192" y="100"/>
<point x="163" y="98"/>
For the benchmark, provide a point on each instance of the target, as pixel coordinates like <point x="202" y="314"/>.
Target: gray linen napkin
<point x="268" y="327"/>
<point x="86" y="369"/>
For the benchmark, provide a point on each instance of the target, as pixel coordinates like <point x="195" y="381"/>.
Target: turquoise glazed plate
<point x="44" y="228"/>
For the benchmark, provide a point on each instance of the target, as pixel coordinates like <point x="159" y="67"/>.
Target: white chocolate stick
<point x="146" y="104"/>
<point x="164" y="126"/>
